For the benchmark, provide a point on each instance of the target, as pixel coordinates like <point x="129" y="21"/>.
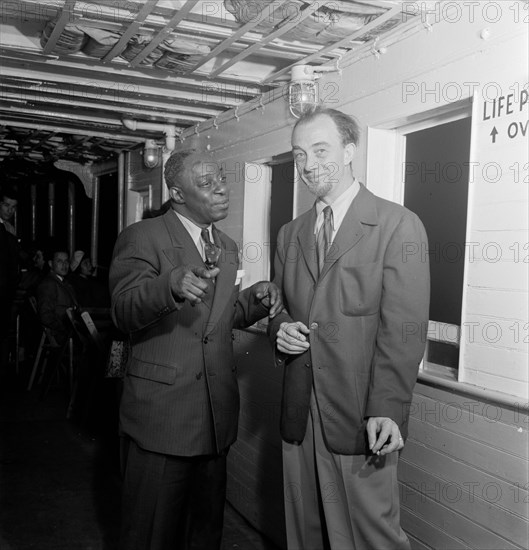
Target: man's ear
<point x="350" y="151"/>
<point x="50" y="263"/>
<point x="177" y="195"/>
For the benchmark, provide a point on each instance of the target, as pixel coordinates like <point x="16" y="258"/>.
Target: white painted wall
<point x="427" y="71"/>
<point x="449" y="449"/>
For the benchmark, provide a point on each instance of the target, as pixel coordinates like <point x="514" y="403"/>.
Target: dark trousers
<point x="171" y="502"/>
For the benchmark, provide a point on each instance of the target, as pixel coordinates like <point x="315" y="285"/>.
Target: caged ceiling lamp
<point x="151" y="154"/>
<point x="303" y="88"/>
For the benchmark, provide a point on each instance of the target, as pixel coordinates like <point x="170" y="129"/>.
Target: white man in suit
<point x="174" y="293"/>
<point x="350" y="346"/>
<point x="55" y="295"/>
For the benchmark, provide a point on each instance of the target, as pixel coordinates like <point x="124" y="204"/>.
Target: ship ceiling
<point x="71" y="71"/>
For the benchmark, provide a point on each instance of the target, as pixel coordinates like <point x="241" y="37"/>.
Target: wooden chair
<point x="15" y="350"/>
<point x="47" y="345"/>
<point x="93" y="332"/>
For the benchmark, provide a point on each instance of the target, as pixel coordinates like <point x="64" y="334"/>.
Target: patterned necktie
<point x="211" y="250"/>
<point x="324" y="237"/>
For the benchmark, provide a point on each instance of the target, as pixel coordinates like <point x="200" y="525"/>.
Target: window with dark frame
<point x="436" y="189"/>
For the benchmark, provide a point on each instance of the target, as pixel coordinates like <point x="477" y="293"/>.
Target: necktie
<point x="211" y="250"/>
<point x="324" y="237"/>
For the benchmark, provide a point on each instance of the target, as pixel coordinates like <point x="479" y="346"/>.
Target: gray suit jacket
<point x="180" y="393"/>
<point x="368" y="313"/>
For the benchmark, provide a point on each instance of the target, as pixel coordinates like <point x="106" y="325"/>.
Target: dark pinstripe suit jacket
<point x="180" y="393"/>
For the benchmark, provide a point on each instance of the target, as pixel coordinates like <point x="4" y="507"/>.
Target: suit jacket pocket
<point x="152" y="371"/>
<point x="361" y="289"/>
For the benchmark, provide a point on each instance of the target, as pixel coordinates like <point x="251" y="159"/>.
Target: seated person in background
<point x="33" y="270"/>
<point x="55" y="295"/>
<point x="89" y="291"/>
<point x="37" y="270"/>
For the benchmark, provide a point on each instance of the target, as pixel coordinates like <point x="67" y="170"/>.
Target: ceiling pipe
<point x="65" y="130"/>
<point x="63" y="116"/>
<point x="168" y="129"/>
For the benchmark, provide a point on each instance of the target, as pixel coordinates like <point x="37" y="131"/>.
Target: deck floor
<point x="59" y="478"/>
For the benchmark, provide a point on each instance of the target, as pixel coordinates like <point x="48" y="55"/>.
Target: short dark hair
<point x="347" y="125"/>
<point x="175" y="165"/>
<point x="9" y="192"/>
<point x="54" y="248"/>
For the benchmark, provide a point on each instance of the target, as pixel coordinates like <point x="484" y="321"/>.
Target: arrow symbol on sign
<point x="494" y="133"/>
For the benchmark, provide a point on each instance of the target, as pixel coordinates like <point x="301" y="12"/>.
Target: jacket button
<point x="199" y="375"/>
<point x="313" y="326"/>
<point x="205" y="340"/>
<point x="307" y="365"/>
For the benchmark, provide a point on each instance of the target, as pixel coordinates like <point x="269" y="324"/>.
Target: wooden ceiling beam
<point x="164" y="33"/>
<point x="118" y="14"/>
<point x="284" y="27"/>
<point x="46" y="138"/>
<point x="69" y="148"/>
<point x="64" y="19"/>
<point x="362" y="7"/>
<point x="236" y="35"/>
<point x="121" y="44"/>
<point x="29" y="137"/>
<point x="340" y="43"/>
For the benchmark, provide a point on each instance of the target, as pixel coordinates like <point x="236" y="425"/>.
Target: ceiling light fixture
<point x="303" y="88"/>
<point x="151" y="153"/>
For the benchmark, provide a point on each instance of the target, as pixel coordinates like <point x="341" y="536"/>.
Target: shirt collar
<point x="192" y="227"/>
<point x="339" y="206"/>
<point x="195" y="231"/>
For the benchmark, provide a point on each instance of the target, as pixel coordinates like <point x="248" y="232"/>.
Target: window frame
<point x="390" y="169"/>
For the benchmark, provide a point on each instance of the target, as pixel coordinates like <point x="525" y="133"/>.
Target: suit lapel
<point x="350" y="232"/>
<point x="225" y="280"/>
<point x="362" y="211"/>
<point x="307" y="243"/>
<point x="183" y="250"/>
<point x="70" y="290"/>
<point x="66" y="287"/>
<point x="180" y="238"/>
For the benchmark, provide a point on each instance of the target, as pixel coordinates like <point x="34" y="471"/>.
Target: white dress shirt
<point x="339" y="208"/>
<point x="195" y="232"/>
